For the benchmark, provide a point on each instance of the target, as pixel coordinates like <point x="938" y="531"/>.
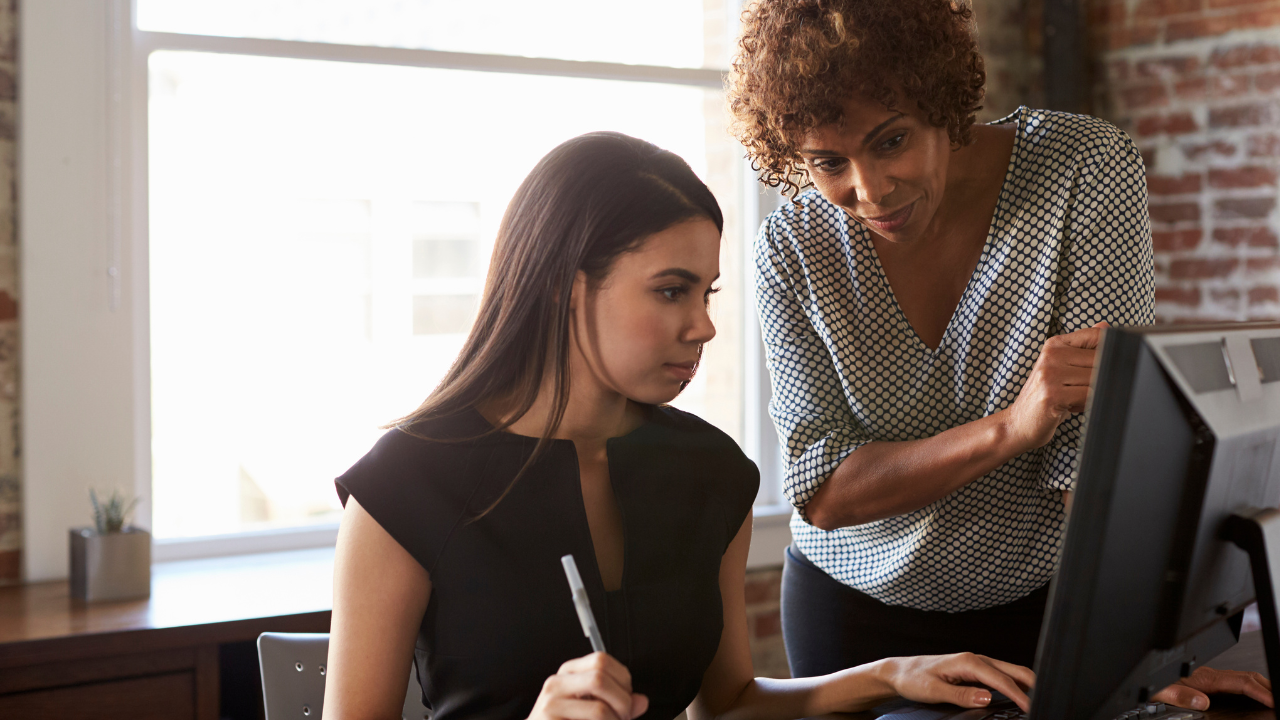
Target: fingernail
<point x="983" y="698"/>
<point x="1199" y="703"/>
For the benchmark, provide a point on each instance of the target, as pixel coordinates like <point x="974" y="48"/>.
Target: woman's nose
<point x="701" y="330"/>
<point x="867" y="186"/>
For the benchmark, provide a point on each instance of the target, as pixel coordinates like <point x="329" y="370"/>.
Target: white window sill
<point x="247" y="543"/>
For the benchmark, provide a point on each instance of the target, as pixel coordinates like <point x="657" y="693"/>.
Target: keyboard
<point x="1006" y="710"/>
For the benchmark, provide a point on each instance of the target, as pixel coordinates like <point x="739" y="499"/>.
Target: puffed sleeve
<point x="815" y="425"/>
<point x="1106" y="272"/>
<point x="417" y="490"/>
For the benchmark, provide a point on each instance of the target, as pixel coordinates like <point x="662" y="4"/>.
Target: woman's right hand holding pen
<point x="592" y="687"/>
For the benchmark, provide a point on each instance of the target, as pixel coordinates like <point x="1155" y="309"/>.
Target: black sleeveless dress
<point x="500" y="619"/>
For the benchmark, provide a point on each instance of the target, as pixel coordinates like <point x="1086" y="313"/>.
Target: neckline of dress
<point x="1018" y="118"/>
<point x="650" y="419"/>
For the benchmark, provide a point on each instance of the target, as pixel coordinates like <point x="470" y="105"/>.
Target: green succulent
<point x="111" y="516"/>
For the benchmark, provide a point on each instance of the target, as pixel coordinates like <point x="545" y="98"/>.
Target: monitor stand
<point x="1257" y="532"/>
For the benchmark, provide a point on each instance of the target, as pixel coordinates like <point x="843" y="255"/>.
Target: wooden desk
<point x="155" y="658"/>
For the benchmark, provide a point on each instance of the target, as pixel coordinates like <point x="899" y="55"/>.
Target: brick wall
<point x="1197" y="85"/>
<point x="1009" y="38"/>
<point x="764" y="624"/>
<point x="10" y="479"/>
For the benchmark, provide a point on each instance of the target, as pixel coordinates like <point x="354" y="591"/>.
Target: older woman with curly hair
<point x="930" y="310"/>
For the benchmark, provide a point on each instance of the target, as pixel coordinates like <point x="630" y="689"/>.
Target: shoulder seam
<point x="444" y="545"/>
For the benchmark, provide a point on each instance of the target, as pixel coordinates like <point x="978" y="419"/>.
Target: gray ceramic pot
<point x="114" y="566"/>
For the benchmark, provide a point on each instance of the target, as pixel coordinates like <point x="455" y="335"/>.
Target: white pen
<point x="582" y="604"/>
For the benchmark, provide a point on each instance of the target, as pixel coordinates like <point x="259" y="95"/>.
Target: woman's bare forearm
<point x="884" y="479"/>
<point x="859" y="688"/>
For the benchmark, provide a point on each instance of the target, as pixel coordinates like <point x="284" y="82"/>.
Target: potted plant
<point x="112" y="560"/>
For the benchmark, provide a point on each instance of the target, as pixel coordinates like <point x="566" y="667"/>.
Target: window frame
<point x="84" y="266"/>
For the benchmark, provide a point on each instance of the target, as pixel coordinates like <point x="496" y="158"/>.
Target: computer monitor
<point x="1181" y="436"/>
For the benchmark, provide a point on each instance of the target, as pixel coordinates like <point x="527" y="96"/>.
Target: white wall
<point x="80" y="331"/>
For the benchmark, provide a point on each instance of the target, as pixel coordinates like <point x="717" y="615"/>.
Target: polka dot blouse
<point x="1069" y="246"/>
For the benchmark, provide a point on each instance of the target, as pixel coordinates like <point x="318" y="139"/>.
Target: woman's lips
<point x="683" y="371"/>
<point x="893" y="221"/>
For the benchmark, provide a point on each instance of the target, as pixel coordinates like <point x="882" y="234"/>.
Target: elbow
<point x="824" y="514"/>
<point x="820" y="515"/>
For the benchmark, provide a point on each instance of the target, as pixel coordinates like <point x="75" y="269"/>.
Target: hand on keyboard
<point x="950" y="679"/>
<point x="1193" y="692"/>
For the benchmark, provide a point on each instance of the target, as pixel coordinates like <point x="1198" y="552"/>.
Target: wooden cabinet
<point x="171" y="696"/>
<point x="156" y="658"/>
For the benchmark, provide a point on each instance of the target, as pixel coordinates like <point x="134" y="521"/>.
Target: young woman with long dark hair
<point x="550" y="436"/>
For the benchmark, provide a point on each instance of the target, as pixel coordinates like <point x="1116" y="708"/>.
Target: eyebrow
<point x="865" y="141"/>
<point x="683" y="274"/>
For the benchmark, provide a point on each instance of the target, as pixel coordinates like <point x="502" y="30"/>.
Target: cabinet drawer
<point x="158" y="697"/>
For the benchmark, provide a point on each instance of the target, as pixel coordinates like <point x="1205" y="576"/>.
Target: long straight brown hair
<point x="586" y="202"/>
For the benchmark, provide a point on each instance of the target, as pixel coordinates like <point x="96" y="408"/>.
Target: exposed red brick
<point x="1117" y="70"/>
<point x="1264" y="294"/>
<point x="1218" y="148"/>
<point x="1174" y="124"/>
<point x="1191" y="88"/>
<point x="1266" y="81"/>
<point x="1181" y="124"/>
<point x="10" y="565"/>
<point x="1166" y="8"/>
<point x="1169" y="185"/>
<point x="1263" y="145"/>
<point x="762" y="591"/>
<point x="1242" y="177"/>
<point x="1124" y="36"/>
<point x="1202" y="268"/>
<point x="1241" y="55"/>
<point x="1253" y="236"/>
<point x="1224" y="296"/>
<point x="1243" y="208"/>
<point x="1262" y="265"/>
<point x="768" y="624"/>
<point x="1149" y="125"/>
<point x="1166" y="68"/>
<point x="1216" y="4"/>
<point x="1101" y="14"/>
<point x="1143" y="96"/>
<point x="1230" y="85"/>
<point x="1175" y="212"/>
<point x="1240" y="115"/>
<point x="1252" y="18"/>
<point x="1187" y="29"/>
<point x="1257" y="16"/>
<point x="8" y="307"/>
<point x="1175" y="240"/>
<point x="8" y="86"/>
<point x="1189" y="296"/>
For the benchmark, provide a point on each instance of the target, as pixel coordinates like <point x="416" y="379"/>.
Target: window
<point x="300" y="203"/>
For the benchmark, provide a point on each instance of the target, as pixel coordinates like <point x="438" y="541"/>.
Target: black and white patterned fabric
<point x="1069" y="246"/>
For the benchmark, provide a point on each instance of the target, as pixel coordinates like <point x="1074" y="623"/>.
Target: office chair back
<point x="293" y="674"/>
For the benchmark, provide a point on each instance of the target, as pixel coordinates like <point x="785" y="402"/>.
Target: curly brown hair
<point x="799" y="61"/>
